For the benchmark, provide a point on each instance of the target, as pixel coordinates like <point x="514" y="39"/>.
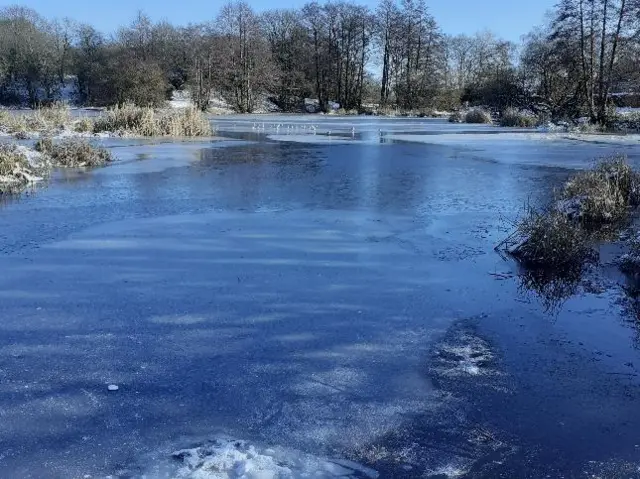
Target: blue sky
<point x="508" y="18"/>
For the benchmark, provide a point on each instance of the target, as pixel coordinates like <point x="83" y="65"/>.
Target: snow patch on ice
<point x="225" y="458"/>
<point x="449" y="471"/>
<point x="463" y="355"/>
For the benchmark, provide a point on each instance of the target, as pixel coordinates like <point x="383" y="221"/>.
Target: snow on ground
<point x="627" y="110"/>
<point x="226" y="458"/>
<point x="180" y="99"/>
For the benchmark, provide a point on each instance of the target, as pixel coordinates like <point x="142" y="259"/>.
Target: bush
<point x="604" y="193"/>
<point x="21" y="135"/>
<point x="139" y="82"/>
<point x="456" y="117"/>
<point x="551" y="240"/>
<point x="84" y="125"/>
<point x="426" y="114"/>
<point x="478" y="115"/>
<point x="15" y="171"/>
<point x="133" y="120"/>
<point x="629" y="121"/>
<point x="387" y="111"/>
<point x="73" y="153"/>
<point x="10" y="158"/>
<point x="515" y="118"/>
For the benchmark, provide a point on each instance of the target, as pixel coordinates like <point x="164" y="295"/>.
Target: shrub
<point x="550" y="239"/>
<point x="83" y="125"/>
<point x="426" y="114"/>
<point x="456" y="117"/>
<point x="15" y="171"/>
<point x="604" y="193"/>
<point x="139" y="82"/>
<point x="515" y="118"/>
<point x="478" y="115"/>
<point x="73" y="153"/>
<point x="133" y="120"/>
<point x="10" y="158"/>
<point x="387" y="111"/>
<point x="629" y="121"/>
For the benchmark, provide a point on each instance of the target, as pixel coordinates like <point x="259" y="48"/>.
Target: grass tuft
<point x="129" y="119"/>
<point x="590" y="205"/>
<point x="73" y="153"/>
<point x="604" y="193"/>
<point x="550" y="239"/>
<point x="15" y="171"/>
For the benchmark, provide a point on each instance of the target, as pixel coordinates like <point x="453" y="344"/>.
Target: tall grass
<point x="47" y="119"/>
<point x="606" y="192"/>
<point x="73" y="153"/>
<point x="550" y="239"/>
<point x="589" y="205"/>
<point x="133" y="120"/>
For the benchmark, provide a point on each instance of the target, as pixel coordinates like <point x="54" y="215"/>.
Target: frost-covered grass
<point x="605" y="193"/>
<point x="48" y="119"/>
<point x="16" y="173"/>
<point x="550" y="239"/>
<point x="513" y="117"/>
<point x="129" y="119"/>
<point x="589" y="204"/>
<point x="73" y="153"/>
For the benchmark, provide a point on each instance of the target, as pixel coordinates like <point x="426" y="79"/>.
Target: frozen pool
<point x="323" y="290"/>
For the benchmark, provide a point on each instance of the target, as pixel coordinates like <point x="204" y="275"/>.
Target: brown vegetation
<point x="73" y="153"/>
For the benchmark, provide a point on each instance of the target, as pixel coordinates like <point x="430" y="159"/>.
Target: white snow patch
<point x="35" y="158"/>
<point x="449" y="471"/>
<point x="225" y="458"/>
<point x="627" y="110"/>
<point x="465" y="355"/>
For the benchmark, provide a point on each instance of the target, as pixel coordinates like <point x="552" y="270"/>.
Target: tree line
<point x="581" y="61"/>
